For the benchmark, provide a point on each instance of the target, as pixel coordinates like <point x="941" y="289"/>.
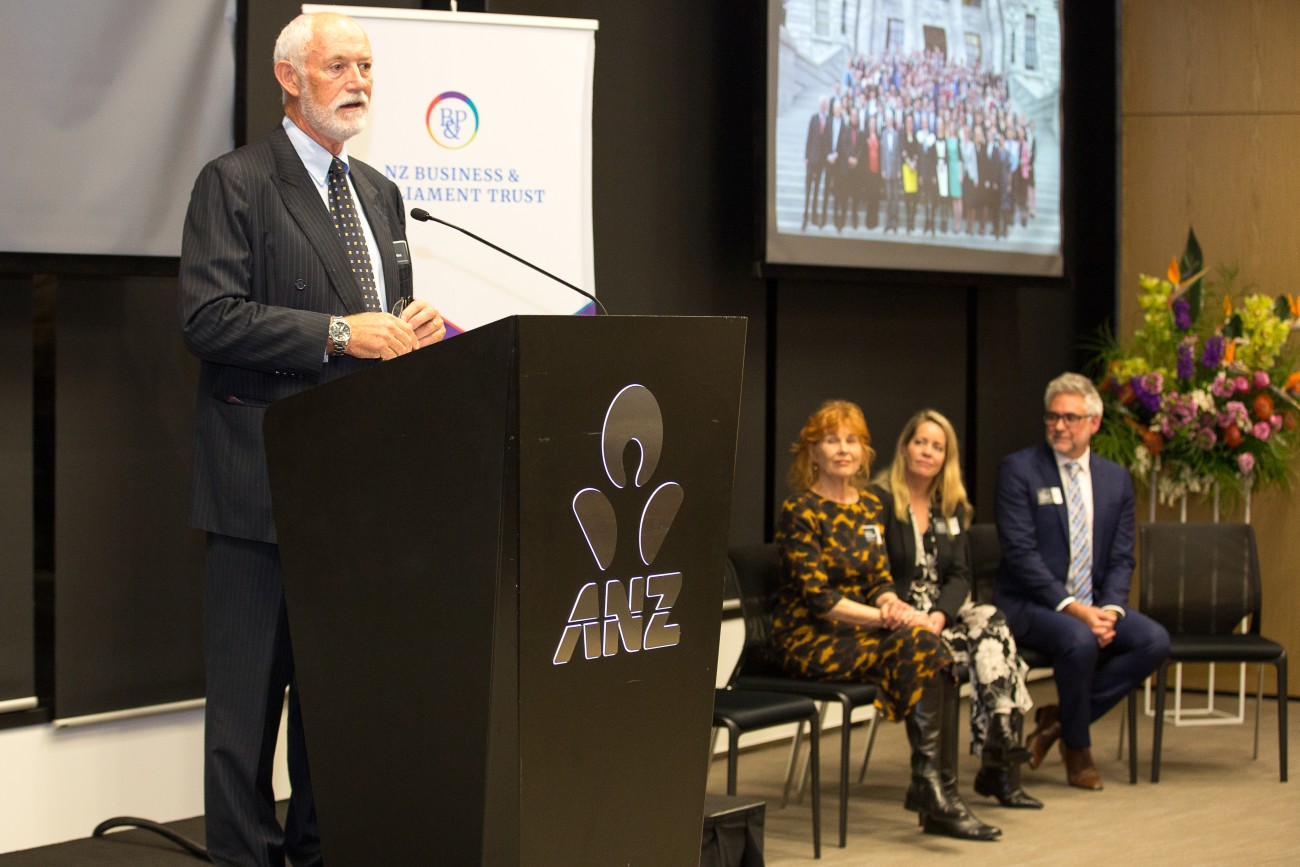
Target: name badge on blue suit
<point x="1050" y="496"/>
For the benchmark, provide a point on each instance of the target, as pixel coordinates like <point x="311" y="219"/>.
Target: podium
<point x="503" y="561"/>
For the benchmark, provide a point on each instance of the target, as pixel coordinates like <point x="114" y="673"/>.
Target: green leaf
<point x="1232" y="328"/>
<point x="1192" y="261"/>
<point x="1282" y="308"/>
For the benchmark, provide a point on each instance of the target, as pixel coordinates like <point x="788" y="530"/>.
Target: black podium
<point x="503" y="560"/>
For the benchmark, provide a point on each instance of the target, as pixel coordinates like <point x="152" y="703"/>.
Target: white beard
<point x="324" y="119"/>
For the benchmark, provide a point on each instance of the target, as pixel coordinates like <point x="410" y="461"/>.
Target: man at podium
<point x="294" y="271"/>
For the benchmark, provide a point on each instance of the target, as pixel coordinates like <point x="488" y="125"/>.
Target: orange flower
<point x="1229" y="352"/>
<point x="1154" y="442"/>
<point x="1293" y="301"/>
<point x="1172" y="271"/>
<point x="1232" y="436"/>
<point x="1292" y="381"/>
<point x="1227" y="306"/>
<point x="1263" y="407"/>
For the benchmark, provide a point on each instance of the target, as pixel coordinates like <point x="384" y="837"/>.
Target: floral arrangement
<point x="1206" y="392"/>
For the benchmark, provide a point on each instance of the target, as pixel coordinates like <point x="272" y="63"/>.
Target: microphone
<point x="425" y="217"/>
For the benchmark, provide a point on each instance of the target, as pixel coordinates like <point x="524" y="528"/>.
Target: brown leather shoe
<point x="1047" y="732"/>
<point x="1079" y="769"/>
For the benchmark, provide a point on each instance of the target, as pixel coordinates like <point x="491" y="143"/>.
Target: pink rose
<point x="1240" y="384"/>
<point x="1275" y="421"/>
<point x="1246" y="463"/>
<point x="1261" y="380"/>
<point x="1262" y="430"/>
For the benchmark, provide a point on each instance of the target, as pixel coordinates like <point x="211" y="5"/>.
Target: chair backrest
<point x="985" y="560"/>
<point x="756" y="570"/>
<point x="1199" y="579"/>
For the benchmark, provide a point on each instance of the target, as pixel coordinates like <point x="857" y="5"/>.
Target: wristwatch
<point x="340" y="333"/>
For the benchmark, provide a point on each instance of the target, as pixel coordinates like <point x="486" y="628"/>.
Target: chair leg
<point x="1281" y="716"/>
<point x="1259" y="703"/>
<point x="792" y="763"/>
<point x="1158" y="731"/>
<point x="814" y="753"/>
<point x="846" y="734"/>
<point x="1132" y="737"/>
<point x="733" y="742"/>
<point x="802" y="771"/>
<point x="871" y="742"/>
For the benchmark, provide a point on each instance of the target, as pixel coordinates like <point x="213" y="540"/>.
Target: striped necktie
<point x="347" y="222"/>
<point x="1079" y="581"/>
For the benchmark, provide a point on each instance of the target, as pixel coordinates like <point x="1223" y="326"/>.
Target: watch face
<point x="340" y="330"/>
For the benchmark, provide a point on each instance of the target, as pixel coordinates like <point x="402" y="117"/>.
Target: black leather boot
<point x="933" y="791"/>
<point x="1000" y="780"/>
<point x="1003" y="739"/>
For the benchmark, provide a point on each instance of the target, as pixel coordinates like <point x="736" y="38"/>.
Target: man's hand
<point x="379" y="335"/>
<point x="1100" y="621"/>
<point x="936" y="621"/>
<point x="426" y="321"/>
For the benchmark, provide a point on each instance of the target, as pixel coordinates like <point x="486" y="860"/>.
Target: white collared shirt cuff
<point x="1064" y="602"/>
<point x="1118" y="609"/>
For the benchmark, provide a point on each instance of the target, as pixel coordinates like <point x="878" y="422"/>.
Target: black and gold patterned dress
<point x="832" y="551"/>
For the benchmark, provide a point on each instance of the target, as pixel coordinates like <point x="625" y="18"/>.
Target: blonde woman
<point x="925" y="518"/>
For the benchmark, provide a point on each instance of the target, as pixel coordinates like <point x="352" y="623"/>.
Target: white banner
<point x="485" y="121"/>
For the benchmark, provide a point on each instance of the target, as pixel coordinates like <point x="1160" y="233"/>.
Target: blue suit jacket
<point x="1035" y="535"/>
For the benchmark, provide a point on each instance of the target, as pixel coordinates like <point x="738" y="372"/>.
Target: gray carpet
<point x="1213" y="805"/>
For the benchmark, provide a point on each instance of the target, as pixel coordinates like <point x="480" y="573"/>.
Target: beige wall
<point x="1210" y="138"/>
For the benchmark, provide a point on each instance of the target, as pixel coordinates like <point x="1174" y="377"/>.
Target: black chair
<point x="745" y="710"/>
<point x="986" y="560"/>
<point x="1201" y="581"/>
<point x="756" y="569"/>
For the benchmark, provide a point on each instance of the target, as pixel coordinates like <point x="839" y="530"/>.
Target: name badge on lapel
<point x="1050" y="496"/>
<point x="942" y="528"/>
<point x="871" y="534"/>
<point x="954" y="526"/>
<point x="402" y="253"/>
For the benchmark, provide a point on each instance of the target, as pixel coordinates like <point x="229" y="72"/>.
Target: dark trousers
<point x="1090" y="680"/>
<point x="249" y="663"/>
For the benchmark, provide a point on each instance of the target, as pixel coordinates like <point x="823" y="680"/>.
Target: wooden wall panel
<point x="1210" y="123"/>
<point x="1210" y="56"/>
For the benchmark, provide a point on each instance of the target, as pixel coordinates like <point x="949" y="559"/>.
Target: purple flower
<point x="1234" y="412"/>
<point x="1212" y="356"/>
<point x="1186" y="366"/>
<point x="1147" y="390"/>
<point x="1206" y="438"/>
<point x="1241" y="384"/>
<point x="1182" y="314"/>
<point x="1262" y="430"/>
<point x="1246" y="463"/>
<point x="1261" y="380"/>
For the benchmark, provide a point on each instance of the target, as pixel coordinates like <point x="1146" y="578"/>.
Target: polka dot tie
<point x="347" y="222"/>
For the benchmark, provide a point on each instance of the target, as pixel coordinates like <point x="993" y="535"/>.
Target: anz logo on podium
<point x="636" y="613"/>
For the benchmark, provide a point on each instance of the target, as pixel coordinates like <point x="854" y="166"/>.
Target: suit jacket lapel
<point x="372" y="204"/>
<point x="1051" y="476"/>
<point x="303" y="202"/>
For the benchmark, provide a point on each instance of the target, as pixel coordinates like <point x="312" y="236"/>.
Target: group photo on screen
<point x="919" y="123"/>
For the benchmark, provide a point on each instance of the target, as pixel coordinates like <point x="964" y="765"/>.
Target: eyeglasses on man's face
<point x="1070" y="419"/>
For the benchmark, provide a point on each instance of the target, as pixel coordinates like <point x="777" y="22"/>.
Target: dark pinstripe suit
<point x="261" y="272"/>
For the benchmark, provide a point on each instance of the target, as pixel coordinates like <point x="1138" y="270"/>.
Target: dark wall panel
<point x="891" y="351"/>
<point x="128" y="569"/>
<point x="17" y="654"/>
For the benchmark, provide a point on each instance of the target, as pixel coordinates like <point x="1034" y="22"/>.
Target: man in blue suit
<point x="1066" y="524"/>
<point x="293" y="261"/>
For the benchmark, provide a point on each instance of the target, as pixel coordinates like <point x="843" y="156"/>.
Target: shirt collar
<point x="1082" y="461"/>
<point x="314" y="158"/>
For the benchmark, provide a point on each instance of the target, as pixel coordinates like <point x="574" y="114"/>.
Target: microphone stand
<point x="425" y="217"/>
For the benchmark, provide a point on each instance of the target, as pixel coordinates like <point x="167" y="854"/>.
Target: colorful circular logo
<point x="452" y="120"/>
